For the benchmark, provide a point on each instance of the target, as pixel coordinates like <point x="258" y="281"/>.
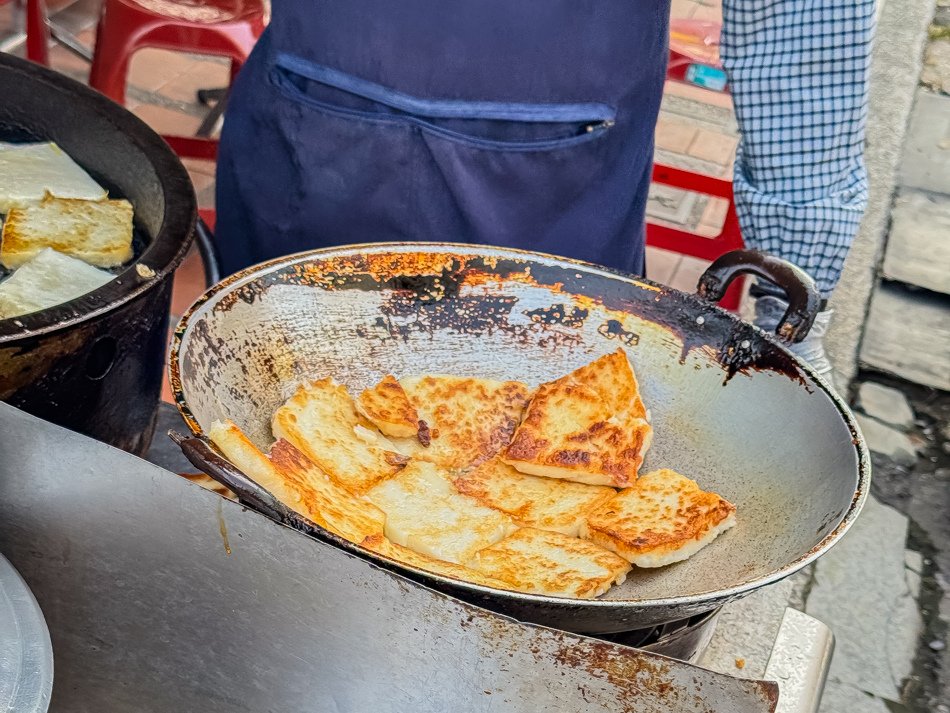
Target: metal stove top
<point x="162" y="596"/>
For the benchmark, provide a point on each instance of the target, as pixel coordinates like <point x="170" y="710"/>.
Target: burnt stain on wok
<point x="423" y="294"/>
<point x="573" y="317"/>
<point x="613" y="329"/>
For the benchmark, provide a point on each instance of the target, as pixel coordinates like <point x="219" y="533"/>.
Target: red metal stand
<point x="680" y="241"/>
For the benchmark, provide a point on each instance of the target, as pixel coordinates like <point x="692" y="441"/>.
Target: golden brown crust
<point x="543" y="562"/>
<point x="469" y="420"/>
<point x="300" y="485"/>
<point x="321" y="420"/>
<point x="587" y="426"/>
<point x="542" y="503"/>
<point x="388" y="407"/>
<point x="96" y="232"/>
<point x="425" y="513"/>
<point x="660" y="516"/>
<point x="380" y="545"/>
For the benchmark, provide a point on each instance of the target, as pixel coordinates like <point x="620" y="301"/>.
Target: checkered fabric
<point x="798" y="71"/>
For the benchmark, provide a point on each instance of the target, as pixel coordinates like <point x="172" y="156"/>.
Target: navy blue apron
<point x="522" y="123"/>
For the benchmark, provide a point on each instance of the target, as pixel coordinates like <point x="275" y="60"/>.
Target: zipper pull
<point x="599" y="126"/>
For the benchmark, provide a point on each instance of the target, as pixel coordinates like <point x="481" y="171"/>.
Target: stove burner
<point x="684" y="639"/>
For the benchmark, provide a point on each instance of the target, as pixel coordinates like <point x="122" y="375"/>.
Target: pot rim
<point x="713" y="598"/>
<point x="162" y="255"/>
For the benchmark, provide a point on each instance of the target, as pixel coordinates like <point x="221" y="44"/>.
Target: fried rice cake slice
<point x="388" y="407"/>
<point x="381" y="546"/>
<point x="425" y="513"/>
<point x="663" y="518"/>
<point x="322" y="422"/>
<point x="531" y="501"/>
<point x="299" y="484"/>
<point x="589" y="426"/>
<point x="543" y="562"/>
<point x="469" y="420"/>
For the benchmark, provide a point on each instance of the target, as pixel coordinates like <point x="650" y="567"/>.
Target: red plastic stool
<point x="219" y="27"/>
<point x="685" y="243"/>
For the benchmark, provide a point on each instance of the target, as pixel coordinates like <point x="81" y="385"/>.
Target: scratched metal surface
<point x="730" y="408"/>
<point x="161" y="596"/>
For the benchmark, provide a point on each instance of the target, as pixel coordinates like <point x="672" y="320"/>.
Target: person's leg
<point x="799" y="78"/>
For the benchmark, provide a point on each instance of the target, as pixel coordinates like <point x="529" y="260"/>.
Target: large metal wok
<point x="730" y="406"/>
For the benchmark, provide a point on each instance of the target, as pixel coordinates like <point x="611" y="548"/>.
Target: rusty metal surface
<point x="161" y="596"/>
<point x="730" y="407"/>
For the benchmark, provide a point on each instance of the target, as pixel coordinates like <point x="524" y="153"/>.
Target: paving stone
<point x="688" y="273"/>
<point x="887" y="441"/>
<point x="913" y="567"/>
<point x="700" y="110"/>
<point x="714" y="214"/>
<point x="860" y="591"/>
<point x="885" y="404"/>
<point x="675" y="136"/>
<point x="690" y="163"/>
<point x="895" y="66"/>
<point x="918" y="246"/>
<point x="844" y="698"/>
<point x="670" y="204"/>
<point x="685" y="90"/>
<point x="908" y="334"/>
<point x="683" y="9"/>
<point x="936" y="72"/>
<point x="661" y="264"/>
<point x="713" y="146"/>
<point x="914" y="561"/>
<point x="926" y="160"/>
<point x="746" y="630"/>
<point x="801" y="584"/>
<point x="167" y="121"/>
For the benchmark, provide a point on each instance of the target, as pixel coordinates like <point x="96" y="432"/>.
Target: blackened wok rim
<point x="162" y="255"/>
<point x="714" y="597"/>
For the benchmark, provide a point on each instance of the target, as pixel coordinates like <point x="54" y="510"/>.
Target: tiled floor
<point x="696" y="131"/>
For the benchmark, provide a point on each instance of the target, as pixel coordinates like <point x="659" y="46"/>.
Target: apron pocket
<point x="531" y="176"/>
<point x="507" y="126"/>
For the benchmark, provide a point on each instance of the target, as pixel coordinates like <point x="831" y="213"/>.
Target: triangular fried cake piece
<point x="321" y="420"/>
<point x="388" y="407"/>
<point x="588" y="426"/>
<point x="663" y="518"/>
<point x="469" y="420"/>
<point x="380" y="545"/>
<point x="425" y="513"/>
<point x="299" y="484"/>
<point x="542" y="562"/>
<point x="531" y="501"/>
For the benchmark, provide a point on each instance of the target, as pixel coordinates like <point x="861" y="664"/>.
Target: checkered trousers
<point x="798" y="73"/>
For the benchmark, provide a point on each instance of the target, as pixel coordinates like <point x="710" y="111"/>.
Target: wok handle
<point x="203" y="456"/>
<point x="804" y="299"/>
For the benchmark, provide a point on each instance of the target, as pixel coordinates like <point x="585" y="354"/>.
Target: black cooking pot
<point x="95" y="364"/>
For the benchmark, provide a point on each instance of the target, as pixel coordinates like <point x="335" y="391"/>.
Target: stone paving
<point x="882" y="590"/>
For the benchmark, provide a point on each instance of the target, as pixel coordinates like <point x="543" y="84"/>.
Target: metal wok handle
<point x="249" y="493"/>
<point x="804" y="299"/>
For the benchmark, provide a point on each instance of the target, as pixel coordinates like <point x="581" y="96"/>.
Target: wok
<point x="730" y="406"/>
